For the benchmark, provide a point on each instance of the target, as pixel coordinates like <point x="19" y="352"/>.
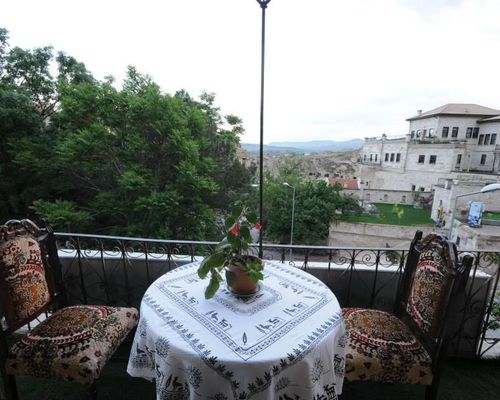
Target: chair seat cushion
<point x="72" y="344"/>
<point x="381" y="348"/>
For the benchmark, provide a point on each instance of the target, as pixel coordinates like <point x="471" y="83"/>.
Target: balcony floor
<point x="461" y="380"/>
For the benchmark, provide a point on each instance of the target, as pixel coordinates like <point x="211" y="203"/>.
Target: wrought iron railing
<point x="117" y="271"/>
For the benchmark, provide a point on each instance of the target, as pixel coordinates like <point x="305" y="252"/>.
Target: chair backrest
<point x="431" y="280"/>
<point x="30" y="273"/>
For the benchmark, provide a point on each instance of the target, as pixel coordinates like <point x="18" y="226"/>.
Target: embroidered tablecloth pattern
<point x="287" y="341"/>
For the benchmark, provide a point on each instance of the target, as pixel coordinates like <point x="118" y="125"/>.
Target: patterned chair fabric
<point x="72" y="344"/>
<point x="430" y="284"/>
<point x="381" y="348"/>
<point x="23" y="284"/>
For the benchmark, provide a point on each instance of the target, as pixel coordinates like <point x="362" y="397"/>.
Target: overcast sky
<point x="335" y="69"/>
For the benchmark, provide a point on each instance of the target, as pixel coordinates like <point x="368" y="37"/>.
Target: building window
<point x="386" y="197"/>
<point x="483" y="159"/>
<point x="386" y="156"/>
<point x="364" y="157"/>
<point x="469" y="133"/>
<point x="371" y="157"/>
<point x="454" y="131"/>
<point x="459" y="159"/>
<point x="376" y="157"/>
<point x="493" y="138"/>
<point x="424" y="133"/>
<point x="432" y="159"/>
<point x="487" y="139"/>
<point x="481" y="139"/>
<point x="403" y="199"/>
<point x="413" y="188"/>
<point x="431" y="132"/>
<point x="398" y="157"/>
<point x="445" y="131"/>
<point x="421" y="159"/>
<point x="392" y="157"/>
<point x="419" y="132"/>
<point x="475" y="132"/>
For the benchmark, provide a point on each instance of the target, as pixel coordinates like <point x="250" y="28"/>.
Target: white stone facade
<point x="441" y="143"/>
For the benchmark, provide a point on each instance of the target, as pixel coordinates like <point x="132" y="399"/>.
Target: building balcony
<point x="118" y="270"/>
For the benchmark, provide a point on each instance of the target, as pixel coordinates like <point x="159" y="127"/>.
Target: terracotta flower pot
<point x="242" y="283"/>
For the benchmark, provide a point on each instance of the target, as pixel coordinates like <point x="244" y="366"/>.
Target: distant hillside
<point x="255" y="148"/>
<point x="314" y="146"/>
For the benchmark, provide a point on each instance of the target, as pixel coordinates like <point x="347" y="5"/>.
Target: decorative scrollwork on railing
<point x="117" y="271"/>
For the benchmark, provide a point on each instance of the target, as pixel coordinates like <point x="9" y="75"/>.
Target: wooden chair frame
<point x="437" y="339"/>
<point x="58" y="299"/>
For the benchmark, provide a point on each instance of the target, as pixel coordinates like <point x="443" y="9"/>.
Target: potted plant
<point x="242" y="270"/>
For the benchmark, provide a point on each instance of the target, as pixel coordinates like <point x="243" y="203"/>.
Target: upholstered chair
<point x="72" y="343"/>
<point x="408" y="345"/>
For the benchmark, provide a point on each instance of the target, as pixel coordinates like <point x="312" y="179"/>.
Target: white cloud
<point x="334" y="69"/>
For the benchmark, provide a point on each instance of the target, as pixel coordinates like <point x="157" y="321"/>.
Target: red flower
<point x="258" y="226"/>
<point x="234" y="229"/>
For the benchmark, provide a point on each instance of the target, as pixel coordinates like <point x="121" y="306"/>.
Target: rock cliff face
<point x="317" y="165"/>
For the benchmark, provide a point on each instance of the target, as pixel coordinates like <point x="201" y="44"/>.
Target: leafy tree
<point x="134" y="161"/>
<point x="316" y="205"/>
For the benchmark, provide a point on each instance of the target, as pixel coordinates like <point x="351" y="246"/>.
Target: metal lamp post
<point x="293" y="215"/>
<point x="263" y="5"/>
<point x="488" y="188"/>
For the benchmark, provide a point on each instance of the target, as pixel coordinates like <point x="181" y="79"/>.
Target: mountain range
<point x="314" y="146"/>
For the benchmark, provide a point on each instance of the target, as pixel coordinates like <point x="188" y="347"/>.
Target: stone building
<point x="446" y="142"/>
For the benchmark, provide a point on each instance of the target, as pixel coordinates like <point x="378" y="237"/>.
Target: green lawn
<point x="412" y="216"/>
<point x="491" y="215"/>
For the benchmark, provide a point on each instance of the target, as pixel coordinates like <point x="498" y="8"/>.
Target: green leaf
<point x="222" y="245"/>
<point x="252" y="217"/>
<point x="245" y="233"/>
<point x="212" y="287"/>
<point x="230" y="222"/>
<point x="213" y="261"/>
<point x="233" y="240"/>
<point x="236" y="212"/>
<point x="255" y="276"/>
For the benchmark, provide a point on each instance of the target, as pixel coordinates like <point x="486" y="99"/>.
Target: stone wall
<point x="345" y="234"/>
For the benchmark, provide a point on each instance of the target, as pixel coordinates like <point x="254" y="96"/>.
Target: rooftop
<point x="457" y="109"/>
<point x="345" y="183"/>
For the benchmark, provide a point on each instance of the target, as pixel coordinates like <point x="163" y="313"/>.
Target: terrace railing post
<point x="104" y="275"/>
<point x="146" y="259"/>
<point x="374" y="286"/>
<point x="125" y="272"/>
<point x="80" y="270"/>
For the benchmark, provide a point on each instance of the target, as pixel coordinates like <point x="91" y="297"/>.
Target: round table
<point x="287" y="341"/>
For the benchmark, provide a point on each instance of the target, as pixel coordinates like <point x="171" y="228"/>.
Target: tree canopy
<point x="317" y="205"/>
<point x="133" y="161"/>
<point x="93" y="158"/>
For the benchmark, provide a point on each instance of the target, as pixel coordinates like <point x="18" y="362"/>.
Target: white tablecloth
<point x="285" y="342"/>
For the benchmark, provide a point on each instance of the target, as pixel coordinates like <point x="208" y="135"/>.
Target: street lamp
<point x="293" y="215"/>
<point x="488" y="188"/>
<point x="263" y="5"/>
